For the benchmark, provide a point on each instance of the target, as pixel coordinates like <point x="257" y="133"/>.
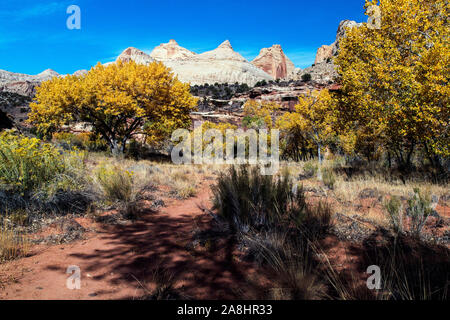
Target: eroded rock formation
<point x="274" y="62"/>
<point x="325" y="52"/>
<point x="222" y="65"/>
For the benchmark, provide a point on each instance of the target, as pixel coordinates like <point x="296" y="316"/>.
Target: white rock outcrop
<point x="171" y="51"/>
<point x="220" y="65"/>
<point x="136" y="55"/>
<point x="8" y="77"/>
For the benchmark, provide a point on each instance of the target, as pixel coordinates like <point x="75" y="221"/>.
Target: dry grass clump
<point x="115" y="182"/>
<point x="269" y="216"/>
<point x="348" y="190"/>
<point x="247" y="199"/>
<point x="125" y="183"/>
<point x="182" y="180"/>
<point x="410" y="269"/>
<point x="12" y="243"/>
<point x="290" y="262"/>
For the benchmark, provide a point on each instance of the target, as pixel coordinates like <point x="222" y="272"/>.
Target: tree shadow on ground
<point x="161" y="242"/>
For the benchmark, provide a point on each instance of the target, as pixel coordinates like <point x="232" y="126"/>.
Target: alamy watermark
<point x="374" y="20"/>
<point x="74" y="20"/>
<point x="73" y="282"/>
<point x="374" y="280"/>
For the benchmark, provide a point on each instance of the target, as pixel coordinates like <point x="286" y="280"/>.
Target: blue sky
<point x="34" y="36"/>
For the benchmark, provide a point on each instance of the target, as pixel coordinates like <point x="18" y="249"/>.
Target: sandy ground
<point x="118" y="260"/>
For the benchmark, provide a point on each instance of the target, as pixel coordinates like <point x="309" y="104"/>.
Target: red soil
<point x="113" y="258"/>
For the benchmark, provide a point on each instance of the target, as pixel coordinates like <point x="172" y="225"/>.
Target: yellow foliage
<point x="395" y="78"/>
<point x="208" y="125"/>
<point x="260" y="113"/>
<point x="118" y="100"/>
<point x="309" y="126"/>
<point x="27" y="163"/>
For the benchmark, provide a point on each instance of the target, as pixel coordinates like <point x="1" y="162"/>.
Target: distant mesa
<point x="23" y="84"/>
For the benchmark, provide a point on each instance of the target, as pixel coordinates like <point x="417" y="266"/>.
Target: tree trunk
<point x="116" y="150"/>
<point x="319" y="168"/>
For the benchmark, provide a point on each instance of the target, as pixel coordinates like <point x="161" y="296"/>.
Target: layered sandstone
<point x="274" y="62"/>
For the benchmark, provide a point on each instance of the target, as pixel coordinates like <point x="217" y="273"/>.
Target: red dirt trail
<point x="113" y="258"/>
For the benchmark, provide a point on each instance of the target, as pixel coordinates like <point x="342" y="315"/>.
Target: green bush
<point x="28" y="165"/>
<point x="37" y="176"/>
<point x="247" y="199"/>
<point x="292" y="264"/>
<point x="394" y="209"/>
<point x="253" y="122"/>
<point x="310" y="169"/>
<point x="419" y="209"/>
<point x="306" y="77"/>
<point x="329" y="178"/>
<point x="116" y="183"/>
<point x="316" y="221"/>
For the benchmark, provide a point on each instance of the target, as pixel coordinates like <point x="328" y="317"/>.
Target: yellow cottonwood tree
<point x="258" y="114"/>
<point x="316" y="117"/>
<point x="118" y="100"/>
<point x="312" y="122"/>
<point x="294" y="142"/>
<point x="395" y="90"/>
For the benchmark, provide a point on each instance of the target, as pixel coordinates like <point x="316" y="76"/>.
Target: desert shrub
<point x="247" y="199"/>
<point x="182" y="184"/>
<point x="183" y="189"/>
<point x="310" y="169"/>
<point x="316" y="220"/>
<point x="306" y="77"/>
<point x="410" y="269"/>
<point x="115" y="182"/>
<point x="329" y="178"/>
<point x="36" y="175"/>
<point x="26" y="164"/>
<point x="270" y="217"/>
<point x="253" y="122"/>
<point x="419" y="209"/>
<point x="291" y="263"/>
<point x="394" y="209"/>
